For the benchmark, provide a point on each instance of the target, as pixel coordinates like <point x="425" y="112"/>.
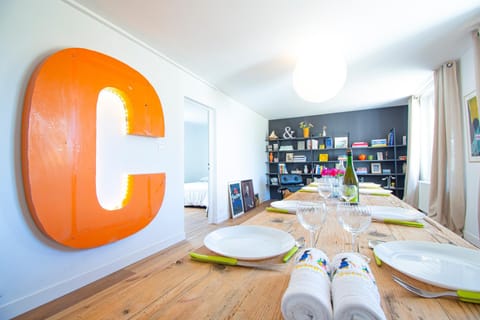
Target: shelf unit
<point x="391" y="164"/>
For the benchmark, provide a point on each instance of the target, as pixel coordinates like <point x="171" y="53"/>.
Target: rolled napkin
<point x="354" y="291"/>
<point x="308" y="292"/>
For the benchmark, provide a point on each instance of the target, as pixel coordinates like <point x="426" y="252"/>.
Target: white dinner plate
<point x="375" y="191"/>
<point x="369" y="185"/>
<point x="249" y="242"/>
<point x="290" y="205"/>
<point x="385" y="212"/>
<point x="440" y="264"/>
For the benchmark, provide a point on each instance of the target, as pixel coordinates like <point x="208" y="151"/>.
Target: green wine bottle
<point x="350" y="189"/>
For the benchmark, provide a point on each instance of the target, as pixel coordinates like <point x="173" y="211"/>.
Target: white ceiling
<point x="247" y="48"/>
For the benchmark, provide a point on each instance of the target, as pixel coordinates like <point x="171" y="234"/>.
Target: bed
<point x="196" y="193"/>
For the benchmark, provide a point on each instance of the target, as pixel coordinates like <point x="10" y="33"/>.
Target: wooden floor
<point x="90" y="296"/>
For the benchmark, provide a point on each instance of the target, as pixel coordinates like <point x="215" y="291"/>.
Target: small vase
<point x="306" y="132"/>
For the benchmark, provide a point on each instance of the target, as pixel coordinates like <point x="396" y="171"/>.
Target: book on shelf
<point x="286" y="148"/>
<point x="360" y="144"/>
<point x="312" y="144"/>
<point x="362" y="170"/>
<point x="282" y="168"/>
<point x="299" y="158"/>
<point x="323" y="157"/>
<point x="391" y="137"/>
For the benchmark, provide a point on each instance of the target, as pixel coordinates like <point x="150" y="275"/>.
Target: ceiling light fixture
<point x="319" y="75"/>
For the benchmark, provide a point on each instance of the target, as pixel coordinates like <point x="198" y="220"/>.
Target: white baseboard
<point x="24" y="304"/>
<point x="472" y="239"/>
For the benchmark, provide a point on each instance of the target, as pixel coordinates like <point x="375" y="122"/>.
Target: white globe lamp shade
<point x="319" y="76"/>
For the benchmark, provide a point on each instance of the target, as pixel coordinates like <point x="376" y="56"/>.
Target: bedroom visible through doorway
<point x="196" y="155"/>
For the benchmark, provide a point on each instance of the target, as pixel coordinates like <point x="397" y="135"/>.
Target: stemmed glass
<point x="354" y="218"/>
<point x="325" y="188"/>
<point x="349" y="191"/>
<point x="312" y="216"/>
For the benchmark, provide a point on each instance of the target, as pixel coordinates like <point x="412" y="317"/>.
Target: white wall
<point x="35" y="270"/>
<point x="472" y="169"/>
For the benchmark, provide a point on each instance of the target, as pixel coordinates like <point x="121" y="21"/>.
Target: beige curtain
<point x="447" y="196"/>
<point x="410" y="194"/>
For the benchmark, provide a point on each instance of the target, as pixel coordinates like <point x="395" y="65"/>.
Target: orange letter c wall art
<point x="59" y="148"/>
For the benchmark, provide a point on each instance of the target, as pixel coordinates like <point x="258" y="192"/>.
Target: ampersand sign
<point x="288" y="134"/>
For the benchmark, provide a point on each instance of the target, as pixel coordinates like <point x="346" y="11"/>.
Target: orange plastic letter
<point x="59" y="143"/>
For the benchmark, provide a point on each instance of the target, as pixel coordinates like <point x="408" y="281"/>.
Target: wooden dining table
<point x="186" y="289"/>
<point x="213" y="291"/>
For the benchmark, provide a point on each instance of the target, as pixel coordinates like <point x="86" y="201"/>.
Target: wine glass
<point x="325" y="188"/>
<point x="354" y="218"/>
<point x="312" y="216"/>
<point x="349" y="191"/>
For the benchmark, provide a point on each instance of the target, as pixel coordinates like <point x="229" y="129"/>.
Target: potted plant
<point x="306" y="128"/>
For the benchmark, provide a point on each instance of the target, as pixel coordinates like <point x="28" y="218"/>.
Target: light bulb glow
<point x="319" y="75"/>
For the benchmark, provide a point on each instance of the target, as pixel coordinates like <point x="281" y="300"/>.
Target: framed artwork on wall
<point x="248" y="195"/>
<point x="473" y="126"/>
<point x="236" y="201"/>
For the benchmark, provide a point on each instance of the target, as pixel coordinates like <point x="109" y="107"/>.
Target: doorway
<point x="197" y="175"/>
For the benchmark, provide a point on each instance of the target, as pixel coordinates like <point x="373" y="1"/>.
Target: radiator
<point x="423" y="194"/>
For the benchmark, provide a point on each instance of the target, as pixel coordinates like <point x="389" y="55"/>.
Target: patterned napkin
<point x="308" y="292"/>
<point x="354" y="291"/>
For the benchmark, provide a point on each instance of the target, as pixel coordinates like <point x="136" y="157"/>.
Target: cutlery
<point x="462" y="295"/>
<point x="402" y="222"/>
<point x="235" y="262"/>
<point x="272" y="209"/>
<point x="299" y="243"/>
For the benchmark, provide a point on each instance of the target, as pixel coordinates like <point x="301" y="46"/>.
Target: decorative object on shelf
<point x="379" y="143"/>
<point x="341" y="142"/>
<point x="324" y="131"/>
<point x="370" y="157"/>
<point x="306" y="128"/>
<point x="275" y="147"/>
<point x="270" y="157"/>
<point x="404" y="140"/>
<point x="362" y="156"/>
<point x="288" y="133"/>
<point x="289" y="157"/>
<point x="323" y="157"/>
<point x="301" y="145"/>
<point x="376" y="168"/>
<point x="379" y="155"/>
<point x="386" y="171"/>
<point x="403" y="158"/>
<point x="273" y="135"/>
<point x="274" y="181"/>
<point x="305" y="169"/>
<point x="328" y="143"/>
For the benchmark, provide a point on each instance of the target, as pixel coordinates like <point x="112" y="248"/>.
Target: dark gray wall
<point x="363" y="125"/>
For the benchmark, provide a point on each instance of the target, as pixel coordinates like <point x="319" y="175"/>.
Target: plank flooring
<point x="93" y="295"/>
